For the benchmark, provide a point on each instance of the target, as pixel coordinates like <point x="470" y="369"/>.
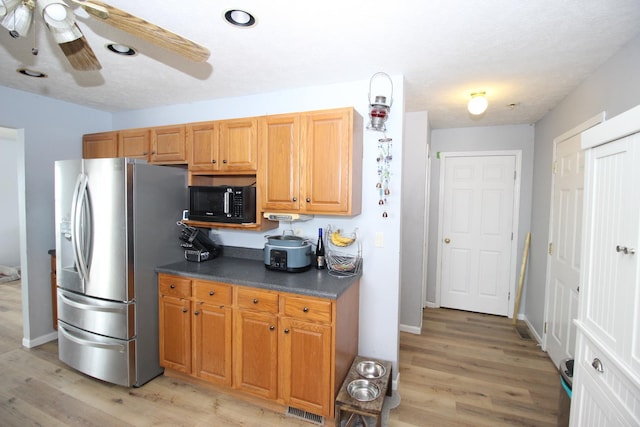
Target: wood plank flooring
<point x="465" y="369"/>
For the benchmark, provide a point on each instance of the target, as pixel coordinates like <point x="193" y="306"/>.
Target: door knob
<point x="447" y="240"/>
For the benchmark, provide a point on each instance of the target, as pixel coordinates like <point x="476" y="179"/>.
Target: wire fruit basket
<point x="344" y="252"/>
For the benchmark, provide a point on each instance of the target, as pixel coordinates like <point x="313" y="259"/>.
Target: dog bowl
<point x="370" y="369"/>
<point x="363" y="390"/>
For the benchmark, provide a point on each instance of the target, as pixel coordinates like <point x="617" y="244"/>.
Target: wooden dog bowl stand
<point x="346" y="403"/>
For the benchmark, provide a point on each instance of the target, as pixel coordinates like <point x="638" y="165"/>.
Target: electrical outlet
<point x="379" y="239"/>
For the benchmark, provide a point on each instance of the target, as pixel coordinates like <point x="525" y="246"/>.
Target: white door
<point x="564" y="249"/>
<point x="477" y="211"/>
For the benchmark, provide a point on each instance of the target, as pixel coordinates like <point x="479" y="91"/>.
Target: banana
<point x="340" y="240"/>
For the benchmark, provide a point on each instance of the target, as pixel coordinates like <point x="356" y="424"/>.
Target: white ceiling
<point x="528" y="53"/>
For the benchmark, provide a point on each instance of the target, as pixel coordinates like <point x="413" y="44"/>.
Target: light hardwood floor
<point x="465" y="369"/>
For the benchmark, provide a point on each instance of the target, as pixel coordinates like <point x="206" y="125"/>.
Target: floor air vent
<point x="304" y="415"/>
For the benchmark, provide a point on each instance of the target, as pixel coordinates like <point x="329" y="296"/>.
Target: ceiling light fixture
<point x="17" y="16"/>
<point x="120" y="49"/>
<point x="478" y="103"/>
<point x="239" y="18"/>
<point x="31" y="73"/>
<point x="60" y="20"/>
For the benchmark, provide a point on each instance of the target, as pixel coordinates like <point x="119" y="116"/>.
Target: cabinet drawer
<point x="613" y="378"/>
<point x="254" y="299"/>
<point x="174" y="286"/>
<point x="215" y="293"/>
<point x="306" y="308"/>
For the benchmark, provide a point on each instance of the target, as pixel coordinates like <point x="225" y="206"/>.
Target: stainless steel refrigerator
<point x="115" y="222"/>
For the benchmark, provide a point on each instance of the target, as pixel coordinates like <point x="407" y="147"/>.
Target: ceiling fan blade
<point x="145" y="30"/>
<point x="80" y="55"/>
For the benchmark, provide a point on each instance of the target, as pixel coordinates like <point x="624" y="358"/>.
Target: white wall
<point x="412" y="252"/>
<point x="515" y="137"/>
<point x="10" y="152"/>
<point x="380" y="286"/>
<point x="49" y="130"/>
<point x="613" y="88"/>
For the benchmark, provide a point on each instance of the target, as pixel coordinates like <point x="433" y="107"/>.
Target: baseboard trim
<point x="410" y="329"/>
<point x="43" y="339"/>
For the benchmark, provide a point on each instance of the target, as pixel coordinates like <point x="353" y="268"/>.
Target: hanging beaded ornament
<point x="384" y="171"/>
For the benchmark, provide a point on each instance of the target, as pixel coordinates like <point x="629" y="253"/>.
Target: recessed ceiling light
<point x="32" y="73"/>
<point x="120" y="49"/>
<point x="239" y="18"/>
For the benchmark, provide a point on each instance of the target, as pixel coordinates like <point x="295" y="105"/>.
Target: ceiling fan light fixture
<point x="120" y="49"/>
<point x="478" y="103"/>
<point x="239" y="18"/>
<point x="8" y="6"/>
<point x="60" y="20"/>
<point x="18" y="21"/>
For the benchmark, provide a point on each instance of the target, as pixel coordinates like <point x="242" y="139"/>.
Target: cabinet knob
<point x="153" y="153"/>
<point x="306" y="309"/>
<point x="308" y="200"/>
<point x="597" y="365"/>
<point x="224" y="161"/>
<point x="172" y="286"/>
<point x="196" y="312"/>
<point x="255" y="300"/>
<point x="286" y="331"/>
<point x="271" y="328"/>
<point x="184" y="309"/>
<point x="214" y="161"/>
<point x="295" y="199"/>
<point x="212" y="293"/>
<point x="144" y="153"/>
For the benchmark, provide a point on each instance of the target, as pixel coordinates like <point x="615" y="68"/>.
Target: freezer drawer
<point x="110" y="318"/>
<point x="107" y="359"/>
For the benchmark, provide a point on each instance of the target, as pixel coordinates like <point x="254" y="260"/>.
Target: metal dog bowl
<point x="363" y="390"/>
<point x="370" y="369"/>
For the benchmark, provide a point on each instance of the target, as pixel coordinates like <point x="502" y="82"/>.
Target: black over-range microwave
<point x="222" y="204"/>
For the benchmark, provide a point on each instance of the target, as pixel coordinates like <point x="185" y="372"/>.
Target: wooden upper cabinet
<point x="315" y="171"/>
<point x="202" y="146"/>
<point x="100" y="145"/>
<point x="134" y="143"/>
<point x="279" y="162"/>
<point x="239" y="145"/>
<point x="228" y="146"/>
<point x="168" y="145"/>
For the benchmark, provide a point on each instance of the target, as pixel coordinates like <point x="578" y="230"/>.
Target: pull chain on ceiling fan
<point x="17" y="16"/>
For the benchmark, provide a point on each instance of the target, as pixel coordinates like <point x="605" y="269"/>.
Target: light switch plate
<point x="379" y="239"/>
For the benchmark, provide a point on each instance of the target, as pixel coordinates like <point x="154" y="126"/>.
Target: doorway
<point x="565" y="237"/>
<point x="479" y="204"/>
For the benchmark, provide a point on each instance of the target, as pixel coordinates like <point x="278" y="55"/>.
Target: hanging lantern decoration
<point x="380" y="107"/>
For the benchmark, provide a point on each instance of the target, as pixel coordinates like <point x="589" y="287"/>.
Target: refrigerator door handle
<point x="81" y="306"/>
<point x="119" y="347"/>
<point x="79" y="232"/>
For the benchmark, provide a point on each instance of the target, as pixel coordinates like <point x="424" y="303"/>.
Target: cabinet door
<point x="239" y="145"/>
<point x="332" y="158"/>
<point x="134" y="143"/>
<point x="100" y="145"/>
<point x="175" y="333"/>
<point x="610" y="275"/>
<point x="202" y="146"/>
<point x="255" y="353"/>
<point x="169" y="145"/>
<point x="280" y="162"/>
<point x="305" y="365"/>
<point x="212" y="343"/>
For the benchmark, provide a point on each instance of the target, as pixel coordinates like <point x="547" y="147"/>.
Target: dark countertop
<point x="246" y="271"/>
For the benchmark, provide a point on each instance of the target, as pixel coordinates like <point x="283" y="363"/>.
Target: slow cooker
<point x="287" y="253"/>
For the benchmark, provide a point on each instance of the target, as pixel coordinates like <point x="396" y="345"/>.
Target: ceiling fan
<point x="17" y="16"/>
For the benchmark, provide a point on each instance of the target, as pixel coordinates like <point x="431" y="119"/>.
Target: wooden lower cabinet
<point x="288" y="349"/>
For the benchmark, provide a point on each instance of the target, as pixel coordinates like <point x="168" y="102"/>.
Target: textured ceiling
<point x="527" y="53"/>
